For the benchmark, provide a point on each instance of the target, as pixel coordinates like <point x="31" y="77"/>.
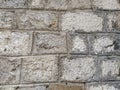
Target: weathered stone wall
<point x="73" y="42"/>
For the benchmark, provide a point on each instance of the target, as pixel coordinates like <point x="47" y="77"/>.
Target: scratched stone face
<point x="46" y="42"/>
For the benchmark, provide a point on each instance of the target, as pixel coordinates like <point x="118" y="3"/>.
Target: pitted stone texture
<point x="82" y="21"/>
<point x="110" y="68"/>
<point x="15" y="43"/>
<point x="77" y="43"/>
<point x="79" y="68"/>
<point x="9" y="70"/>
<point x="106" y="4"/>
<point x="40" y="69"/>
<point x="60" y="4"/>
<point x="113" y="22"/>
<point x="104" y="44"/>
<point x="13" y="3"/>
<point x="7" y="19"/>
<point x="33" y="87"/>
<point x="103" y="86"/>
<point x="38" y="20"/>
<point x="49" y="42"/>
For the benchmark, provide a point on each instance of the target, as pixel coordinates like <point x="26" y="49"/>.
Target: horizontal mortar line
<point x="36" y="83"/>
<point x="42" y="30"/>
<point x="43" y="9"/>
<point x="97" y="81"/>
<point x="30" y="30"/>
<point x="57" y="54"/>
<point x="47" y="83"/>
<point x="105" y="81"/>
<point x="58" y="10"/>
<point x="30" y="55"/>
<point x="94" y="54"/>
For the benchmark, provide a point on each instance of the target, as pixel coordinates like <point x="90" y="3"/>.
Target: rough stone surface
<point x="77" y="43"/>
<point x="110" y="68"/>
<point x="38" y="20"/>
<point x="32" y="88"/>
<point x="37" y="87"/>
<point x="13" y="3"/>
<point x="106" y="4"/>
<point x="7" y="19"/>
<point x="9" y="70"/>
<point x="79" y="68"/>
<point x="104" y="44"/>
<point x="81" y="21"/>
<point x="49" y="42"/>
<point x="103" y="86"/>
<point x="15" y="43"/>
<point x="113" y="22"/>
<point x="40" y="69"/>
<point x="60" y="4"/>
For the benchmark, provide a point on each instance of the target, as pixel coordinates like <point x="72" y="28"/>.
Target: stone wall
<point x="72" y="42"/>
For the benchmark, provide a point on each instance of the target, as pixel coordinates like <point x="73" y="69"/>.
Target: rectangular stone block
<point x="42" y="20"/>
<point x="79" y="68"/>
<point x="13" y="3"/>
<point x="105" y="44"/>
<point x="60" y="4"/>
<point x="65" y="87"/>
<point x="103" y="86"/>
<point x="9" y="70"/>
<point x="7" y="19"/>
<point x="77" y="43"/>
<point x="49" y="42"/>
<point x="106" y="4"/>
<point x="110" y="67"/>
<point x="81" y="22"/>
<point x="30" y="87"/>
<point x="15" y="43"/>
<point x="40" y="69"/>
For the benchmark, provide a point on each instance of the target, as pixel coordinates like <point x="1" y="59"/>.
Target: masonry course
<point x="65" y="44"/>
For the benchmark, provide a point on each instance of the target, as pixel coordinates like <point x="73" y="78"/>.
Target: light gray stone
<point x="79" y="68"/>
<point x="60" y="4"/>
<point x="104" y="44"/>
<point x="7" y="19"/>
<point x="110" y="68"/>
<point x="38" y="20"/>
<point x="40" y="69"/>
<point x="49" y="42"/>
<point x="13" y="3"/>
<point x="15" y="43"/>
<point x="30" y="87"/>
<point x="9" y="70"/>
<point x="81" y="21"/>
<point x="106" y="4"/>
<point x="103" y="86"/>
<point x="77" y="43"/>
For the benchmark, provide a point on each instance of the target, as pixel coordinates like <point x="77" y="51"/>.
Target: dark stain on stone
<point x="119" y="72"/>
<point x="116" y="44"/>
<point x="118" y="1"/>
<point x="45" y="46"/>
